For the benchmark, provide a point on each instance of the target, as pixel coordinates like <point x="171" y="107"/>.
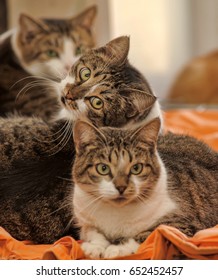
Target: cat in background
<point x="36" y="52"/>
<point x="36" y="157"/>
<point x="197" y="82"/>
<point x="127" y="182"/>
<point x="105" y="88"/>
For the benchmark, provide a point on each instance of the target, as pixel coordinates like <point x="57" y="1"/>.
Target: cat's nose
<point x="121" y="189"/>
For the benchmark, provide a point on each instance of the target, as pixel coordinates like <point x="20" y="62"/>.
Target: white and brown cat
<point x="36" y="157"/>
<point x="129" y="181"/>
<point x="35" y="52"/>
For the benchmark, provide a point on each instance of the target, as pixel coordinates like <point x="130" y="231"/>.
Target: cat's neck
<point x="154" y="113"/>
<point x="119" y="219"/>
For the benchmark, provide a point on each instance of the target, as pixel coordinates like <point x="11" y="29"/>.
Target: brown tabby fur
<point x="192" y="180"/>
<point x="35" y="180"/>
<point x="197" y="83"/>
<point x="126" y="95"/>
<point x="34" y="96"/>
<point x="36" y="157"/>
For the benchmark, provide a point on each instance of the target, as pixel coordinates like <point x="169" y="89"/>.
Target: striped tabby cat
<point x="36" y="158"/>
<point x="127" y="182"/>
<point x="37" y="51"/>
<point x="105" y="88"/>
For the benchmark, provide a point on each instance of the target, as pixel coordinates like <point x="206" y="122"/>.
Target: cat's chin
<point x="120" y="201"/>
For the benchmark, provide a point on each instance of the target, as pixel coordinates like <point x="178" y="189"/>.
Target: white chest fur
<point x="126" y="221"/>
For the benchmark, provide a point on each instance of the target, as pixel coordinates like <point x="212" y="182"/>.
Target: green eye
<point x="96" y="103"/>
<point x="136" y="168"/>
<point x="51" y="53"/>
<point x="103" y="169"/>
<point x="84" y="74"/>
<point x="78" y="51"/>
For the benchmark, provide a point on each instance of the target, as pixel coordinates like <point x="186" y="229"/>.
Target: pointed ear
<point x="140" y="102"/>
<point x="117" y="50"/>
<point x="148" y="133"/>
<point x="29" y="27"/>
<point x="85" y="134"/>
<point x="86" y="18"/>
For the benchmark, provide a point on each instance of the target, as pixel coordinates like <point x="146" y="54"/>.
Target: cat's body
<point x="197" y="82"/>
<point x="35" y="180"/>
<point x="36" y="158"/>
<point x="117" y="204"/>
<point x="34" y="53"/>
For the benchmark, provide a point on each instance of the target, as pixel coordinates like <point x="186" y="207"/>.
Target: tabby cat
<point x="197" y="82"/>
<point x="127" y="182"/>
<point x="37" y="51"/>
<point x="36" y="157"/>
<point x="106" y="89"/>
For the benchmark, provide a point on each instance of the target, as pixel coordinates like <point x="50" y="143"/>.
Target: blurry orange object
<point x="164" y="242"/>
<point x="200" y="124"/>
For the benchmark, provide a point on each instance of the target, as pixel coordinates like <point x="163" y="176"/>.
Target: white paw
<point x="92" y="250"/>
<point x="128" y="248"/>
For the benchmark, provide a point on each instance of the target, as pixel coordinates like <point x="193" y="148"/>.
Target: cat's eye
<point x="136" y="169"/>
<point x="78" y="51"/>
<point x="84" y="74"/>
<point x="51" y="53"/>
<point x="103" y="169"/>
<point x="96" y="103"/>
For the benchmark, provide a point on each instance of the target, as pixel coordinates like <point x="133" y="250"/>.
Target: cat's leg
<point x="129" y="247"/>
<point x="94" y="244"/>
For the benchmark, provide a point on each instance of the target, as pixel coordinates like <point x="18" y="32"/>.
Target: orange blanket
<point x="165" y="242"/>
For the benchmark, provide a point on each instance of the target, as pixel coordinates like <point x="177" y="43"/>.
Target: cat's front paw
<point x="128" y="248"/>
<point x="93" y="250"/>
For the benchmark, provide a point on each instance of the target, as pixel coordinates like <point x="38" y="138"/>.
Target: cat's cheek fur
<point x="107" y="190"/>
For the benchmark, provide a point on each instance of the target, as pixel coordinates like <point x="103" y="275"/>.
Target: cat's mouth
<point x="120" y="200"/>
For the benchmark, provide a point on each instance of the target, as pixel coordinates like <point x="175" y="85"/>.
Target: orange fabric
<point x="164" y="242"/>
<point x="200" y="124"/>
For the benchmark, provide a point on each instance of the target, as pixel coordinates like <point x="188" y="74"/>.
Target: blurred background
<point x="165" y="34"/>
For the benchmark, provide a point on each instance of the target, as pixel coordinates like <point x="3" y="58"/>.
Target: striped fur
<point x="36" y="52"/>
<point x="177" y="186"/>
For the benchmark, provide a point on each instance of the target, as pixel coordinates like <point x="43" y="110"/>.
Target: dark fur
<point x="35" y="188"/>
<point x="37" y="97"/>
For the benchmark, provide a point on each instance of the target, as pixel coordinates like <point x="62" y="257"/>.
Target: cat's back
<point x="192" y="176"/>
<point x="178" y="148"/>
<point x="197" y="82"/>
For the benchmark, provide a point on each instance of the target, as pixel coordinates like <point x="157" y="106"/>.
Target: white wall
<point x="159" y="34"/>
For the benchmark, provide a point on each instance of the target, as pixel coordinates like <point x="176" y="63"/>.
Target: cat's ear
<point x="148" y="133"/>
<point x="117" y="50"/>
<point x="29" y="27"/>
<point x="86" y="135"/>
<point x="140" y="102"/>
<point x="86" y="18"/>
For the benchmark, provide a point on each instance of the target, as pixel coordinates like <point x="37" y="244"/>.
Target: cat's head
<point x="117" y="166"/>
<point x="105" y="88"/>
<point x="49" y="47"/>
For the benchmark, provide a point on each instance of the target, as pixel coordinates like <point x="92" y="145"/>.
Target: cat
<point x="197" y="82"/>
<point x="129" y="181"/>
<point x="105" y="88"/>
<point x="37" y="157"/>
<point x="38" y="51"/>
